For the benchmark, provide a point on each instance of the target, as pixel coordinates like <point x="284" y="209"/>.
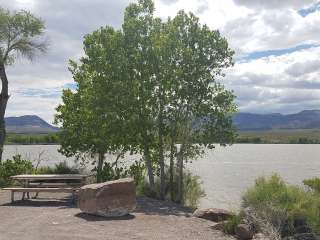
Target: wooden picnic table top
<point x="50" y="177"/>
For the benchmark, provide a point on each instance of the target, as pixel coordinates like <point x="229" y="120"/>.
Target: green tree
<point x="139" y="29"/>
<point x="92" y="116"/>
<point x="150" y="88"/>
<point x="20" y="34"/>
<point x="192" y="107"/>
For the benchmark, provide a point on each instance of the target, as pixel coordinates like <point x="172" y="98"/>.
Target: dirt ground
<point x="57" y="219"/>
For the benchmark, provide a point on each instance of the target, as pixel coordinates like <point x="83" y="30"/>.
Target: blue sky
<point x="277" y="52"/>
<point x="277" y="45"/>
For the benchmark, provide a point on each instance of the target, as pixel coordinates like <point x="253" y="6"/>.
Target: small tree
<point x="19" y="36"/>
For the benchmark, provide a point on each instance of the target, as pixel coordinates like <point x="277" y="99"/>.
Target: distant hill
<point x="28" y="124"/>
<point x="307" y="119"/>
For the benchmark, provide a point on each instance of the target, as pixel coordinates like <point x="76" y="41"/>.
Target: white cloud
<point x="272" y="29"/>
<point x="277" y="83"/>
<point x="286" y="83"/>
<point x="275" y="4"/>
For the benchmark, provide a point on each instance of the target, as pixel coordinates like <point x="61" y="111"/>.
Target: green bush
<point x="138" y="172"/>
<point x="111" y="171"/>
<point x="193" y="191"/>
<point x="44" y="170"/>
<point x="270" y="196"/>
<point x="11" y="167"/>
<point x="313" y="184"/>
<point x="59" y="168"/>
<point x="229" y="227"/>
<point x="63" y="168"/>
<point x="17" y="165"/>
<point x="192" y="194"/>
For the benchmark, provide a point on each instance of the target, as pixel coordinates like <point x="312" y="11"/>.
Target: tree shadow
<point x="94" y="218"/>
<point x="151" y="206"/>
<point x="43" y="202"/>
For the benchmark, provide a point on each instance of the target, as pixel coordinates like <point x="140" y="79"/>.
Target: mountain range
<point x="29" y="124"/>
<point x="307" y="119"/>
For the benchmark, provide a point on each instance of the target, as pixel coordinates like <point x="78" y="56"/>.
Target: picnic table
<point x="54" y="183"/>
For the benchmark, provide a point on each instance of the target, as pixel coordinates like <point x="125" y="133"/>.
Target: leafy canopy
<point x="20" y="34"/>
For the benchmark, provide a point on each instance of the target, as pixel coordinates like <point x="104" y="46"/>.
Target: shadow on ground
<point x="43" y="202"/>
<point x="145" y="205"/>
<point x="94" y="218"/>
<point x="151" y="206"/>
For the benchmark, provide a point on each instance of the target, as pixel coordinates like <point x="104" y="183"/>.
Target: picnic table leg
<point x="12" y="196"/>
<point x="35" y="196"/>
<point x="37" y="193"/>
<point x="28" y="193"/>
<point x="73" y="198"/>
<point x="26" y="184"/>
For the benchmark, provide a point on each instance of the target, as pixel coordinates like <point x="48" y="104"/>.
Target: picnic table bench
<point x="53" y="183"/>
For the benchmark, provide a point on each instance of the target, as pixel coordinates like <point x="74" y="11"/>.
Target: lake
<point x="225" y="171"/>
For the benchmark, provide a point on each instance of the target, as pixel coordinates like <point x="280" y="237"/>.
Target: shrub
<point x="63" y="168"/>
<point x="59" y="168"/>
<point x="44" y="170"/>
<point x="193" y="190"/>
<point x="313" y="184"/>
<point x="283" y="206"/>
<point x="111" y="171"/>
<point x="230" y="226"/>
<point x="14" y="166"/>
<point x="137" y="172"/>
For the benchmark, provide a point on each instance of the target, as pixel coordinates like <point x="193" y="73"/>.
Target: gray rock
<point x="305" y="236"/>
<point x="219" y="226"/>
<point x="244" y="232"/>
<point x="108" y="199"/>
<point x="213" y="214"/>
<point x="260" y="236"/>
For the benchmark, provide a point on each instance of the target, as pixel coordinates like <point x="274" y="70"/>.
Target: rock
<point x="305" y="236"/>
<point x="301" y="226"/>
<point x="213" y="214"/>
<point x="302" y="229"/>
<point x="219" y="226"/>
<point x="260" y="236"/>
<point x="108" y="199"/>
<point x="244" y="232"/>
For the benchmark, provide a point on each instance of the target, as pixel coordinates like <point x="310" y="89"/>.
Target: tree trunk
<point x="171" y="169"/>
<point x="148" y="162"/>
<point x="99" y="167"/>
<point x="4" y="97"/>
<point x="161" y="158"/>
<point x="180" y="174"/>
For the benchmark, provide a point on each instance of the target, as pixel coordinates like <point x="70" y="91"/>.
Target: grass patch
<point x="283" y="207"/>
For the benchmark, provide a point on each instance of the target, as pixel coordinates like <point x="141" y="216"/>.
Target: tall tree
<point x="193" y="106"/>
<point x="139" y="28"/>
<point x="92" y="115"/>
<point x="20" y="34"/>
<point x="149" y="87"/>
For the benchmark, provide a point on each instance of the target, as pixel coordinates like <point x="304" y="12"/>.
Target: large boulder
<point x="108" y="199"/>
<point x="213" y="214"/>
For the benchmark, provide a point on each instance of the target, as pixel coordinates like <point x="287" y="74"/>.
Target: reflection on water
<point x="225" y="171"/>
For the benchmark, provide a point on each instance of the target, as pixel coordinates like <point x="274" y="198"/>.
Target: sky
<point x="276" y="43"/>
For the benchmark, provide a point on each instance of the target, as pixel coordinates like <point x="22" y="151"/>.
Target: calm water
<point x="225" y="171"/>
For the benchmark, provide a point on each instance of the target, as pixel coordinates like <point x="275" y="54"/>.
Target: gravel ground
<point x="56" y="219"/>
